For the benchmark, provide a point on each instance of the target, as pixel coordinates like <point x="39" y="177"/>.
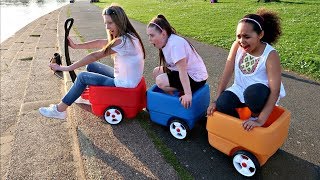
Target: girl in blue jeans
<point x="127" y="50"/>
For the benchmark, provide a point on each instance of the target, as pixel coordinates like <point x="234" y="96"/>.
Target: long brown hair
<point x="123" y="24"/>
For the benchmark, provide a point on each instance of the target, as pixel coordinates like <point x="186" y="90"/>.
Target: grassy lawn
<point x="215" y="24"/>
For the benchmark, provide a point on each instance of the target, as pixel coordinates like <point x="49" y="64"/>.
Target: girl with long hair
<point x="125" y="47"/>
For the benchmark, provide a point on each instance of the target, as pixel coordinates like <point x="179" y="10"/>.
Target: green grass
<point x="68" y="12"/>
<point x="215" y="24"/>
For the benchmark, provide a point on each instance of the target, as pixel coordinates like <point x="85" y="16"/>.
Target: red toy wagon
<point x="115" y="103"/>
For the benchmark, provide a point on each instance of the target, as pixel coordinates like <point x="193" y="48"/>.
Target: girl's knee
<point x="157" y="71"/>
<point x="90" y="67"/>
<point x="256" y="96"/>
<point x="227" y="103"/>
<point x="223" y="106"/>
<point x="162" y="81"/>
<point x="159" y="82"/>
<point x="256" y="90"/>
<point x="81" y="75"/>
<point x="226" y="108"/>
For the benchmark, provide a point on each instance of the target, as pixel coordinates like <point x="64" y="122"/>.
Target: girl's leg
<point x="196" y="85"/>
<point x="100" y="68"/>
<point x="157" y="71"/>
<point x="62" y="106"/>
<point x="228" y="102"/>
<point x="256" y="96"/>
<point x="162" y="82"/>
<point x="162" y="79"/>
<point x="83" y="80"/>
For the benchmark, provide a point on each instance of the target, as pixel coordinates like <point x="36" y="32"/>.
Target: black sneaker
<point x="57" y="59"/>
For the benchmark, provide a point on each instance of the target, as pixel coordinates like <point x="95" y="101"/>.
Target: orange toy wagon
<point x="249" y="149"/>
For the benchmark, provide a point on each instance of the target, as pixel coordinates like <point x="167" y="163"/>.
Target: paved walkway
<point x="31" y="146"/>
<point x="84" y="147"/>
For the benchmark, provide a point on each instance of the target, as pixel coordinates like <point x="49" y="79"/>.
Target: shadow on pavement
<point x="116" y="163"/>
<point x="300" y="79"/>
<point x="196" y="154"/>
<point x="118" y="151"/>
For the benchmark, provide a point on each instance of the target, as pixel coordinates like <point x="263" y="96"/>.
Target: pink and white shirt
<point x="178" y="48"/>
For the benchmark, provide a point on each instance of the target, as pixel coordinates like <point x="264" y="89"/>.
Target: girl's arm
<point x="274" y="79"/>
<point x="98" y="44"/>
<point x="226" y="76"/>
<point x="92" y="57"/>
<point x="228" y="70"/>
<point x="184" y="78"/>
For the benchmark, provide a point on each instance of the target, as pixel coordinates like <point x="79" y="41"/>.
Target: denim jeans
<point x="255" y="97"/>
<point x="98" y="75"/>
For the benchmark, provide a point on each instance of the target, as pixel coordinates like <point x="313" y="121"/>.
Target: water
<point x="15" y="14"/>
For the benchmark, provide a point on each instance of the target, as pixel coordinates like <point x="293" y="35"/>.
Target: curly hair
<point x="268" y="21"/>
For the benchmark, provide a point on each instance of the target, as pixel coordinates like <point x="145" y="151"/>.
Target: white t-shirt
<point x="249" y="70"/>
<point x="178" y="48"/>
<point x="128" y="62"/>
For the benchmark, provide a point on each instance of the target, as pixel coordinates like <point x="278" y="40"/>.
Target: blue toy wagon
<point x="166" y="110"/>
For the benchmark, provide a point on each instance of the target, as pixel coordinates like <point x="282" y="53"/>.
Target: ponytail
<point x="271" y="24"/>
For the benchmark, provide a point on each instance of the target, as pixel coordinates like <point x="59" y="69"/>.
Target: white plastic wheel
<point x="113" y="115"/>
<point x="178" y="129"/>
<point x="245" y="163"/>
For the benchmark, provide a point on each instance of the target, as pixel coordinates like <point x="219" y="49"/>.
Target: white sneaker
<point x="80" y="100"/>
<point x="52" y="112"/>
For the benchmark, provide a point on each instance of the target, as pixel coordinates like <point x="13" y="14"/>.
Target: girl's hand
<point x="55" y="67"/>
<point x="211" y="108"/>
<point x="71" y="43"/>
<point x="186" y="100"/>
<point x="250" y="124"/>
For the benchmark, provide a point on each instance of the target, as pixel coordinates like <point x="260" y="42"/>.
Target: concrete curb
<point x="67" y="84"/>
<point x="41" y="146"/>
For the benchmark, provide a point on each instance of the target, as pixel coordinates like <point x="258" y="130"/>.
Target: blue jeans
<point x="98" y="75"/>
<point x="255" y="97"/>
